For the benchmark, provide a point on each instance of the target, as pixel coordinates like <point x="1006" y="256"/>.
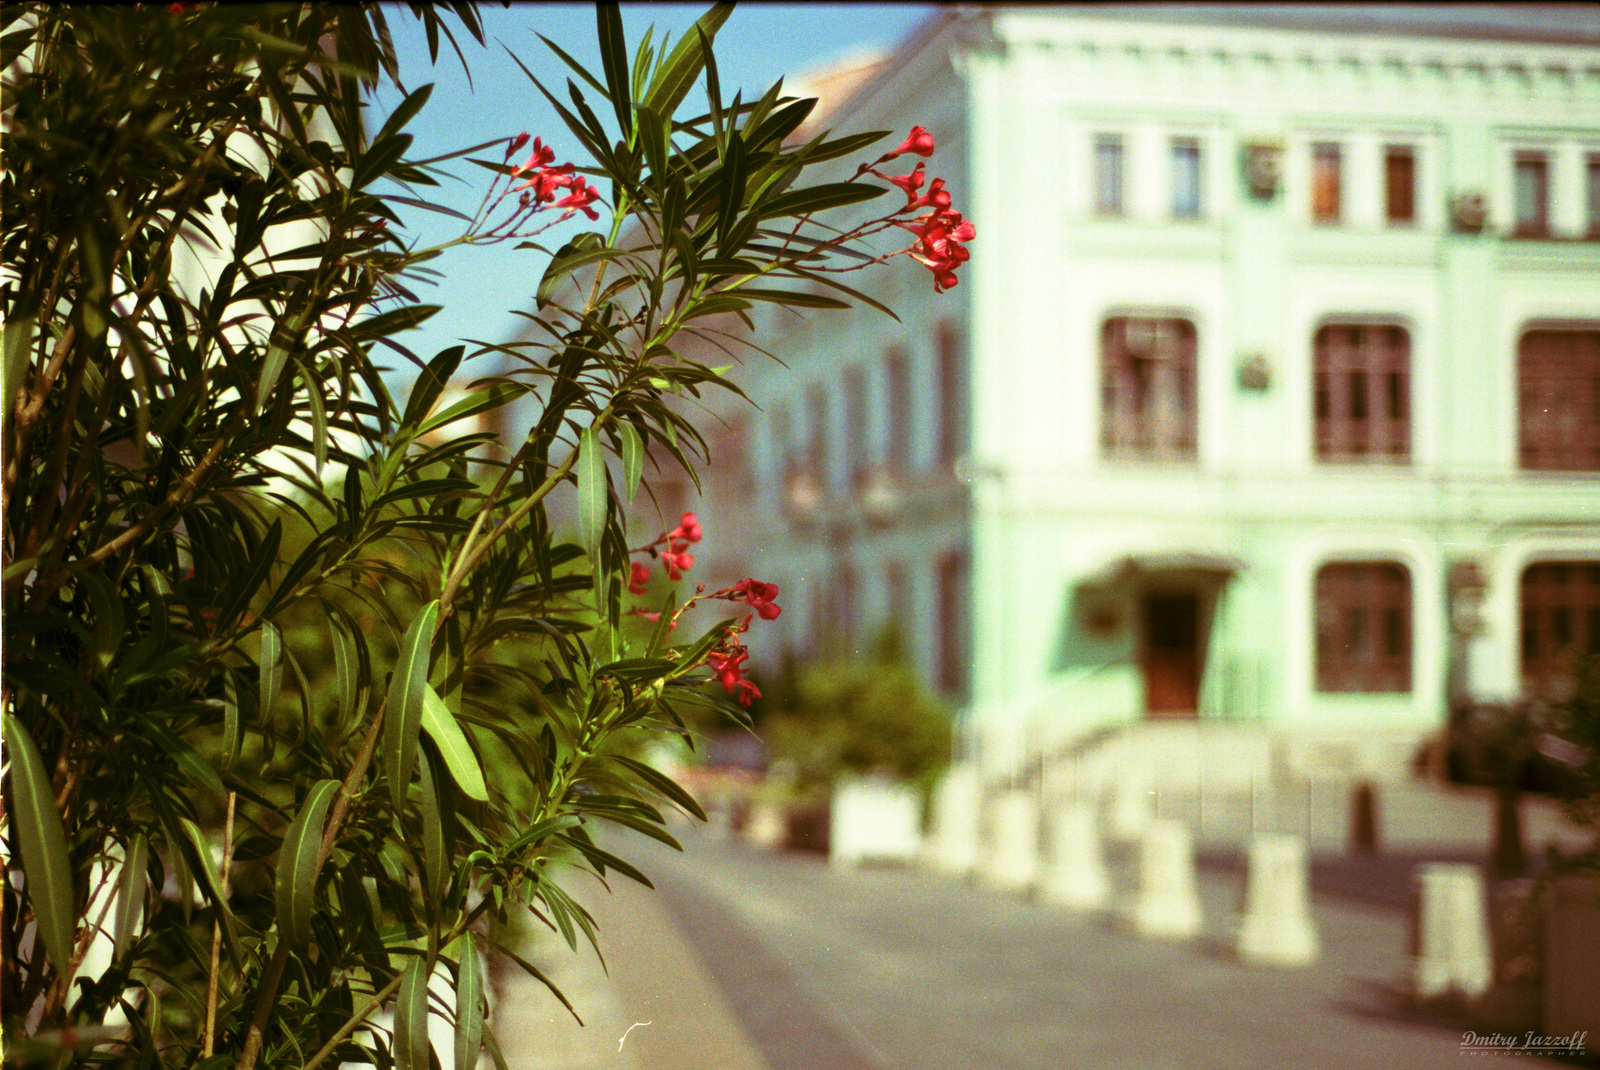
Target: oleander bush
<point x="302" y="687"/>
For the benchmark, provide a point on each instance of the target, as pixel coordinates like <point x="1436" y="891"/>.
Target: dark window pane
<point x="1326" y="180"/>
<point x="1561" y="626"/>
<point x="1108" y="175"/>
<point x="1363" y="627"/>
<point x="1397" y="396"/>
<point x="1358" y="395"/>
<point x="1148" y="387"/>
<point x="1400" y="184"/>
<point x="1532" y="194"/>
<point x="1186" y="178"/>
<point x="1361" y="379"/>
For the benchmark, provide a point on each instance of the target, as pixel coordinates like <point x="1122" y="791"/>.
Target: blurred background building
<point x="1266" y="412"/>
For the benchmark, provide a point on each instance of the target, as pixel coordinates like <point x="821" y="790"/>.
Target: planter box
<point x="1572" y="957"/>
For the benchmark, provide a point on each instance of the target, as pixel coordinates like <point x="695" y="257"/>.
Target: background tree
<point x="266" y="628"/>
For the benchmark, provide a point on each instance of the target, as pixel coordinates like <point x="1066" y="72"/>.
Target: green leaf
<point x="379" y="158"/>
<point x="246" y="582"/>
<point x="794" y="298"/>
<point x="189" y="760"/>
<point x="201" y="848"/>
<point x="469" y="1002"/>
<point x="108" y="616"/>
<point x="404" y="718"/>
<point x="295" y="888"/>
<point x="632" y="449"/>
<point x="677" y="73"/>
<point x="661" y="784"/>
<point x="405" y="112"/>
<point x="448" y="736"/>
<point x="285" y="339"/>
<point x="271" y="663"/>
<point x="131" y="886"/>
<point x="593" y="493"/>
<point x="820" y="198"/>
<point x="43" y="845"/>
<point x="232" y="734"/>
<point x="481" y="401"/>
<point x="411" y="1017"/>
<point x="346" y="667"/>
<point x="435" y="851"/>
<point x="431" y="383"/>
<point x="19" y="339"/>
<point x="614" y="59"/>
<point x="564" y="265"/>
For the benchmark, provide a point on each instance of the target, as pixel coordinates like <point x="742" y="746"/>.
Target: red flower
<point x="579" y="200"/>
<point x="677" y="560"/>
<point x="541" y="156"/>
<point x="688" y="529"/>
<point x="517" y="142"/>
<point x="939" y="246"/>
<point x="726" y="665"/>
<point x="936" y="198"/>
<point x="919" y="143"/>
<point x="639" y="575"/>
<point x="760" y="597"/>
<point x="910" y="183"/>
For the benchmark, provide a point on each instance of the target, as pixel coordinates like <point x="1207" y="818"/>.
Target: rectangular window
<point x="1560" y="624"/>
<point x="897" y="384"/>
<point x="1362" y="383"/>
<point x="1531" y="179"/>
<point x="855" y="425"/>
<point x="1326" y="181"/>
<point x="1591" y="175"/>
<point x="1363" y="627"/>
<point x="1148" y="388"/>
<point x="1108" y="178"/>
<point x="953" y="608"/>
<point x="1185" y="178"/>
<point x="817" y="447"/>
<point x="1558" y="375"/>
<point x="952" y="393"/>
<point x="1400" y="184"/>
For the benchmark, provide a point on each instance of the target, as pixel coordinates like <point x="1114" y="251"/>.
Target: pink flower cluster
<point x="542" y="181"/>
<point x="941" y="233"/>
<point x="728" y="656"/>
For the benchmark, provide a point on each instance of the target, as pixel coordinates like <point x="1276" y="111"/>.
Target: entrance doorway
<point x="1171" y="656"/>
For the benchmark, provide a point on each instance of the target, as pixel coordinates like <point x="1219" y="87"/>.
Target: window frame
<point x="1547" y="592"/>
<point x="1110" y="155"/>
<point x="1363" y="623"/>
<point x="1534" y="163"/>
<point x="1327" y="184"/>
<point x="1149" y="388"/>
<point x="1403" y="194"/>
<point x="1372" y="376"/>
<point x="1188" y="201"/>
<point x="1558" y="426"/>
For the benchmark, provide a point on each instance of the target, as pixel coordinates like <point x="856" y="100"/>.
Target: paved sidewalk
<point x="749" y="960"/>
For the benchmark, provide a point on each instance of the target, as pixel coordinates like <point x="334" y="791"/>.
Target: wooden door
<point x="1171" y="656"/>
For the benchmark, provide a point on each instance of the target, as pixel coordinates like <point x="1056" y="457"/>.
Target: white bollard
<point x="957" y="804"/>
<point x="1452" y="931"/>
<point x="1277" y="929"/>
<point x="1167" y="906"/>
<point x="1075" y="870"/>
<point x="1013" y="857"/>
<point x="874" y="820"/>
<point x="767" y="826"/>
<point x="1132" y="809"/>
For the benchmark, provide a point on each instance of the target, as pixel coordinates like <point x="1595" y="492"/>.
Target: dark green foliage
<point x="267" y="628"/>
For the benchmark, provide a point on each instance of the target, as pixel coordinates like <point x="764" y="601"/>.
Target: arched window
<point x="1363" y="622"/>
<point x="1560" y="623"/>
<point x="1558" y="376"/>
<point x="1362" y="397"/>
<point x="1148" y="388"/>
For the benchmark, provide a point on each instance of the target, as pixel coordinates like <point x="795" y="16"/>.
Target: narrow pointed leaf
<point x="345" y="668"/>
<point x="469" y="1002"/>
<point x="271" y="663"/>
<point x="592" y="495"/>
<point x="431" y="383"/>
<point x="296" y="885"/>
<point x="404" y="718"/>
<point x="411" y="1017"/>
<point x="131" y="887"/>
<point x="448" y="735"/>
<point x="212" y="880"/>
<point x="614" y="59"/>
<point x="632" y="457"/>
<point x="43" y="845"/>
<point x="435" y="852"/>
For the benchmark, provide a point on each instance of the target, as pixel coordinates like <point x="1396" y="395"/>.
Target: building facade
<point x="1270" y="397"/>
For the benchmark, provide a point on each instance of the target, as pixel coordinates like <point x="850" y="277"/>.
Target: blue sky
<point x="757" y="45"/>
